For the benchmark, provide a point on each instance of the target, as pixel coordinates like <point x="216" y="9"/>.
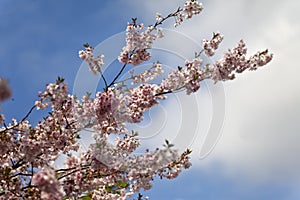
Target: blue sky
<point x="257" y="155"/>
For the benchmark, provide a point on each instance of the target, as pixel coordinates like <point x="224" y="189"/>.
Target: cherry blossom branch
<point x="102" y="75"/>
<point x="18" y="164"/>
<point x="72" y="168"/>
<point x="116" y="77"/>
<point x="22" y="120"/>
<point x="153" y="27"/>
<point x="72" y="172"/>
<point x="161" y="20"/>
<point x="109" y="170"/>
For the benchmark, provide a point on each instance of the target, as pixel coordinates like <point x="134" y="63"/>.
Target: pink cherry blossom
<point x="94" y="63"/>
<point x="191" y="8"/>
<point x="142" y="99"/>
<point x="108" y="169"/>
<point x="235" y="61"/>
<point x="138" y="41"/>
<point x="5" y="91"/>
<point x="148" y="75"/>
<point x="212" y="45"/>
<point x="47" y="182"/>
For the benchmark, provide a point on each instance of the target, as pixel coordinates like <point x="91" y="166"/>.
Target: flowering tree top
<point x="108" y="170"/>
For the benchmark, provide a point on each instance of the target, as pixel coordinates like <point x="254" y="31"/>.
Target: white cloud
<point x="261" y="135"/>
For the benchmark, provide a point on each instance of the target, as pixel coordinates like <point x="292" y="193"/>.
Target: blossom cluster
<point x="94" y="63"/>
<point x="213" y="44"/>
<point x="138" y="41"/>
<point x="191" y="8"/>
<point x="48" y="184"/>
<point x="128" y="144"/>
<point x="185" y="78"/>
<point x="109" y="169"/>
<point x="5" y="91"/>
<point x="110" y="110"/>
<point x="142" y="99"/>
<point x="235" y="61"/>
<point x="148" y="75"/>
<point x="116" y="106"/>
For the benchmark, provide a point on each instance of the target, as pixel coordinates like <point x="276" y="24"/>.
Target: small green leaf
<point x="122" y="184"/>
<point x="134" y="21"/>
<point x="86" y="198"/>
<point x="59" y="80"/>
<point x="108" y="188"/>
<point x="168" y="144"/>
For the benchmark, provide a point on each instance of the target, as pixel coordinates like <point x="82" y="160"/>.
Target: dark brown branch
<point x="18" y="164"/>
<point x="103" y="78"/>
<point x="21" y="174"/>
<point x="162" y="93"/>
<point x="154" y="27"/>
<point x="117" y="76"/>
<point x="165" y="18"/>
<point x="67" y="174"/>
<point x="24" y="118"/>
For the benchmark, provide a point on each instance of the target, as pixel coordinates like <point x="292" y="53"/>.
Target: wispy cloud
<point x="260" y="138"/>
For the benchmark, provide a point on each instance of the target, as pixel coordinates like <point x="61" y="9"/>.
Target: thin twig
<point x="165" y="18"/>
<point x="24" y="118"/>
<point x="117" y="76"/>
<point x="103" y="78"/>
<point x="154" y="27"/>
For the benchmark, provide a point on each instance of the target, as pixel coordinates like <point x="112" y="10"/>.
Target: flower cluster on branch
<point x="108" y="169"/>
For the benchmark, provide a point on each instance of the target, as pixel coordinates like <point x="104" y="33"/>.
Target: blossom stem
<point x="116" y="77"/>
<point x="24" y="118"/>
<point x="105" y="82"/>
